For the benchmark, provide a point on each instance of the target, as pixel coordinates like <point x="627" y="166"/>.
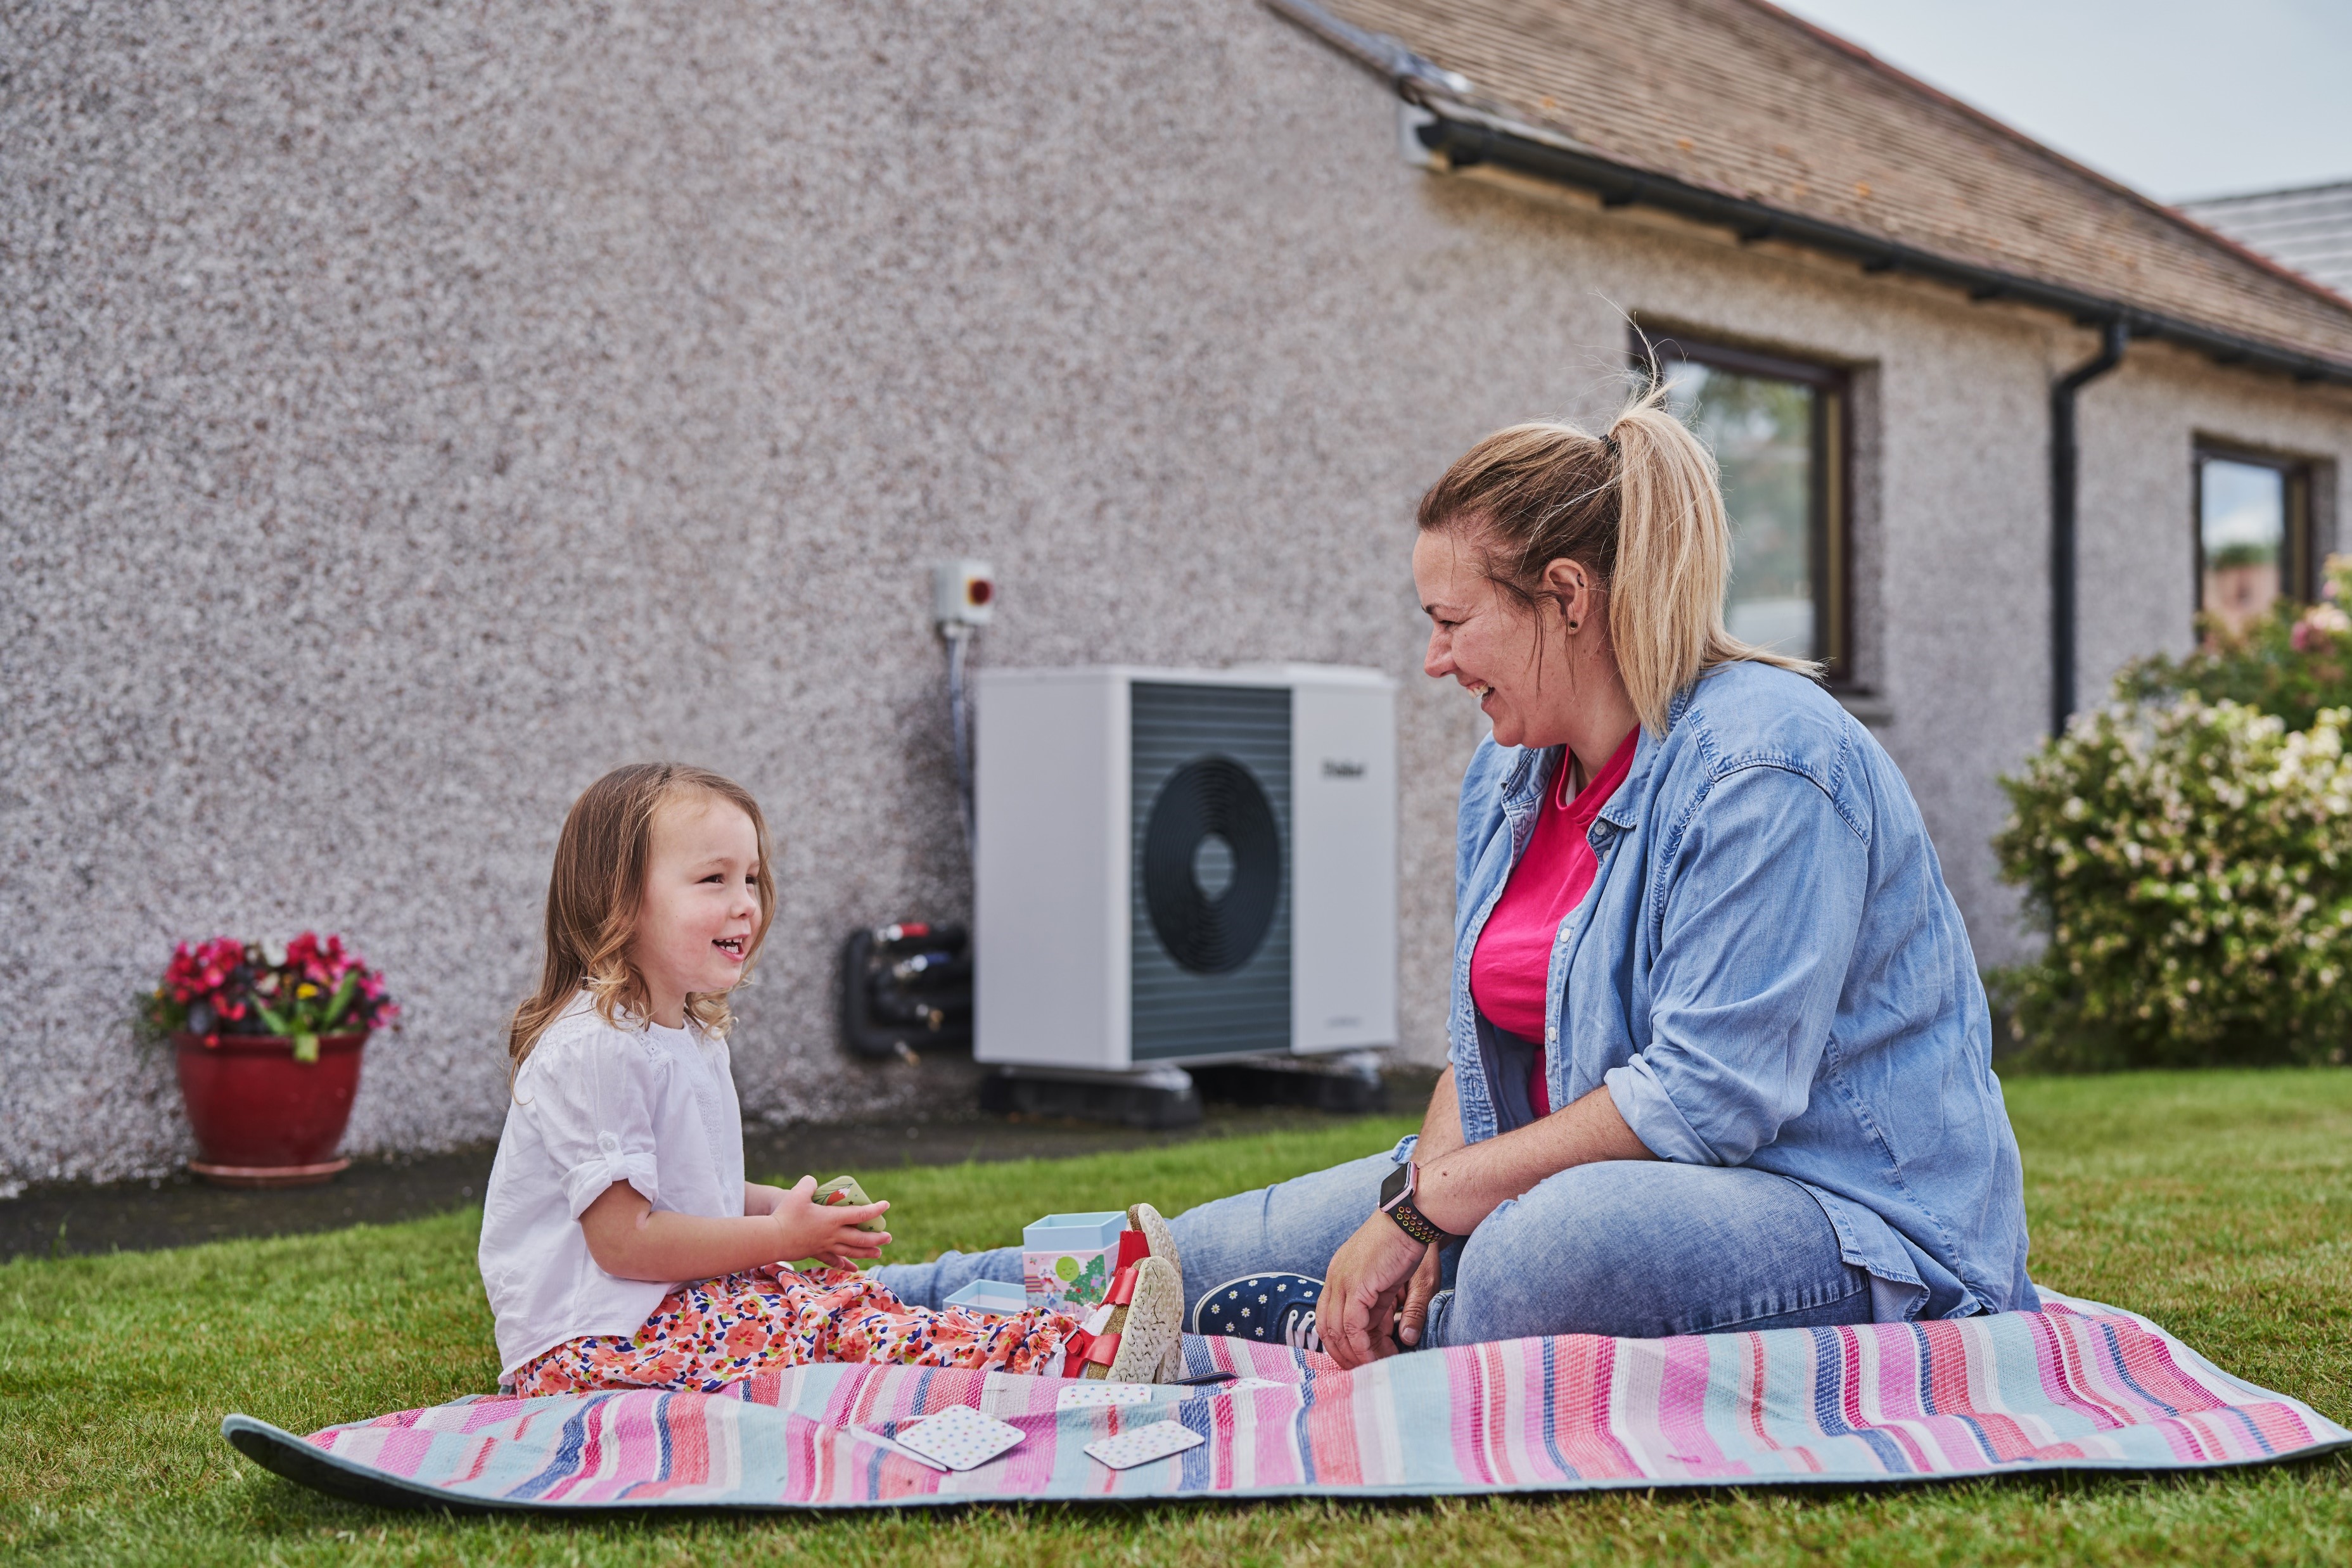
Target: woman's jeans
<point x="1640" y="1248"/>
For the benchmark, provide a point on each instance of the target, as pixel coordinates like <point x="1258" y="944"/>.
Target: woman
<point x="1719" y="1058"/>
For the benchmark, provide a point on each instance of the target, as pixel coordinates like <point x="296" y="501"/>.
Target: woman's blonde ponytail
<point x="1674" y="562"/>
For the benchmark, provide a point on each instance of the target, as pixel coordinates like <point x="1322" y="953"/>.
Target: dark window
<point x="2254" y="532"/>
<point x="1777" y="429"/>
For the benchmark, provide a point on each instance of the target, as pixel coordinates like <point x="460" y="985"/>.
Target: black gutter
<point x="2063" y="477"/>
<point x="1465" y="145"/>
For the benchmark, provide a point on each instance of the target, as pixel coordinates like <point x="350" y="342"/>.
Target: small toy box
<point x="1066" y="1260"/>
<point x="991" y="1296"/>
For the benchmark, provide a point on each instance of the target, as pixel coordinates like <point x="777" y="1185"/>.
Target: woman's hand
<point x="1413" y="1316"/>
<point x="1363" y="1289"/>
<point x="828" y="1233"/>
<point x="1376" y="1290"/>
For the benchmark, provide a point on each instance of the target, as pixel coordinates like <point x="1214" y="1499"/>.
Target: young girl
<point x="621" y="1245"/>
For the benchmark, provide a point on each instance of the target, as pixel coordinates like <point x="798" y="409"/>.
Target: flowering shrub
<point x="2191" y="865"/>
<point x="302" y="990"/>
<point x="2292" y="661"/>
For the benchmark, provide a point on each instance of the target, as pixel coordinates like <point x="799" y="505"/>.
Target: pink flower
<point x="2319" y="625"/>
<point x="233" y="978"/>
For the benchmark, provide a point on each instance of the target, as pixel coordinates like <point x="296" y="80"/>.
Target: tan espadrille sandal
<point x="1154" y="1325"/>
<point x="1143" y="1321"/>
<point x="1144" y="1218"/>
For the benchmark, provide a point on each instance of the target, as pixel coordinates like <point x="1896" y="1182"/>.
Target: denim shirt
<point x="1769" y="971"/>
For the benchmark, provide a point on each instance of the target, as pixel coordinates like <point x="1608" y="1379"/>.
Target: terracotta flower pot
<point x="263" y="1119"/>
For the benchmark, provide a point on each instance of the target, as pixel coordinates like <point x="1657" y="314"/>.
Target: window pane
<point x="1761" y="430"/>
<point x="2242" y="527"/>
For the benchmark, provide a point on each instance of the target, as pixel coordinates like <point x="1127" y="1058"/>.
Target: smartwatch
<point x="1397" y="1194"/>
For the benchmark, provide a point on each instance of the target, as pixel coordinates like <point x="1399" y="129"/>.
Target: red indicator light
<point x="980" y="591"/>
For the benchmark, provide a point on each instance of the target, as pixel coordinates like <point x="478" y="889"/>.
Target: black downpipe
<point x="2064" y="467"/>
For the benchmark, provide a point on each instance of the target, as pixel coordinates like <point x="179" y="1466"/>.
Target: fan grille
<point x="1211" y="931"/>
<point x="1240" y="1002"/>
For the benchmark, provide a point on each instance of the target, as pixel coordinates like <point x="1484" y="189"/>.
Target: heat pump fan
<point x="1184" y="866"/>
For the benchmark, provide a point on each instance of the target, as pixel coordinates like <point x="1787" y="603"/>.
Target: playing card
<point x="960" y="1438"/>
<point x="1144" y="1443"/>
<point x="1089" y="1396"/>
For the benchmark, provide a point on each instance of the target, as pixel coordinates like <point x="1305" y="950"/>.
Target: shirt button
<point x="1551" y="1034"/>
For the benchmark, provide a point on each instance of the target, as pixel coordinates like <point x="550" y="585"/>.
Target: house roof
<point x="2308" y="227"/>
<point x="1742" y="100"/>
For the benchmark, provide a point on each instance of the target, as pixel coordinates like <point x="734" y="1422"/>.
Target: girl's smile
<point x="701" y="904"/>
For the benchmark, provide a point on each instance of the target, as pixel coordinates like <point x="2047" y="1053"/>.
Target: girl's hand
<point x="807" y="1229"/>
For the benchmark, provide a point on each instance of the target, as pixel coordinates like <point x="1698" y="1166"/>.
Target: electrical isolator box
<point x="963" y="593"/>
<point x="1184" y="866"/>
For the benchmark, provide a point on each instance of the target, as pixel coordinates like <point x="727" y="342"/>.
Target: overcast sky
<point x="2179" y="98"/>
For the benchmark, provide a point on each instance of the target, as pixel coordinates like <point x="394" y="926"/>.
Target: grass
<point x="2220" y="1204"/>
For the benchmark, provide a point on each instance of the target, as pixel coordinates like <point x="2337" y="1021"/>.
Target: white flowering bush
<point x="2190" y="864"/>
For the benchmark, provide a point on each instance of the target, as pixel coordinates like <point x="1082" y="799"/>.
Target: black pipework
<point x="2065" y="482"/>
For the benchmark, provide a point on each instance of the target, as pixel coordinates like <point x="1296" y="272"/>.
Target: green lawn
<point x="2220" y="1204"/>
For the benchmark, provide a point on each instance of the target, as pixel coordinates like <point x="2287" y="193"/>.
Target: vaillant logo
<point x="1342" y="768"/>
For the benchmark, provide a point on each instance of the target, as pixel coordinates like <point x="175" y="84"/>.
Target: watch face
<point x="1394" y="1187"/>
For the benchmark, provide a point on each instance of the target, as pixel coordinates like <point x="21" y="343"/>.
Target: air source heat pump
<point x="1182" y="865"/>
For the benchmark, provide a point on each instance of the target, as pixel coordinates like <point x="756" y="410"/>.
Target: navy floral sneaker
<point x="1272" y="1309"/>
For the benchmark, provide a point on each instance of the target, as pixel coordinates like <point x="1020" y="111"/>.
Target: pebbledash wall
<point x="413" y="411"/>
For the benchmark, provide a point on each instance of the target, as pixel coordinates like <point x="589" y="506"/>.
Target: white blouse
<point x="593" y="1105"/>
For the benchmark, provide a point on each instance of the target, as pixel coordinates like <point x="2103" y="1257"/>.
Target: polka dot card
<point x="959" y="1438"/>
<point x="1142" y="1444"/>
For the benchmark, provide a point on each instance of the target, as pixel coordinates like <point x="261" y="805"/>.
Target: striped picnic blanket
<point x="2076" y="1385"/>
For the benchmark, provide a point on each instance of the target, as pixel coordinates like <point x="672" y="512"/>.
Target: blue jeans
<point x="1640" y="1248"/>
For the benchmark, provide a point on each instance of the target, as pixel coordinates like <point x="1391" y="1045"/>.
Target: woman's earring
<point x="1572" y="625"/>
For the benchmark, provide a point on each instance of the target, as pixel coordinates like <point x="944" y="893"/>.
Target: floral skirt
<point x="712" y="1332"/>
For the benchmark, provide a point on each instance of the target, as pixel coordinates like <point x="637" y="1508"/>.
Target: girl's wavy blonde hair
<point x="596" y="889"/>
<point x="1640" y="506"/>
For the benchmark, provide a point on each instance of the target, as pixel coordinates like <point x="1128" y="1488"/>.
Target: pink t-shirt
<point x="1512" y="962"/>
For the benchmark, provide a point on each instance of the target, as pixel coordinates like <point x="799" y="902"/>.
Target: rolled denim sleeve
<point x="1757" y="925"/>
<point x="594" y="1108"/>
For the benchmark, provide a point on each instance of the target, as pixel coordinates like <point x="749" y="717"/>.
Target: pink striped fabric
<point x="2076" y="1385"/>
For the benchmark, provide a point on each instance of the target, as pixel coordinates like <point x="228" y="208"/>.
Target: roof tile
<point x="1742" y="97"/>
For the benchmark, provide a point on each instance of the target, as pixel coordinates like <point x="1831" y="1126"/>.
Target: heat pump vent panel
<point x="1209" y="898"/>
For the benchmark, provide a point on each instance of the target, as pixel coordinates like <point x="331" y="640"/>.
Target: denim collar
<point x="1623" y="810"/>
<point x="1534" y="770"/>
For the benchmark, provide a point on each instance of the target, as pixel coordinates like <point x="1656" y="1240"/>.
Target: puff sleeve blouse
<point x="594" y="1105"/>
